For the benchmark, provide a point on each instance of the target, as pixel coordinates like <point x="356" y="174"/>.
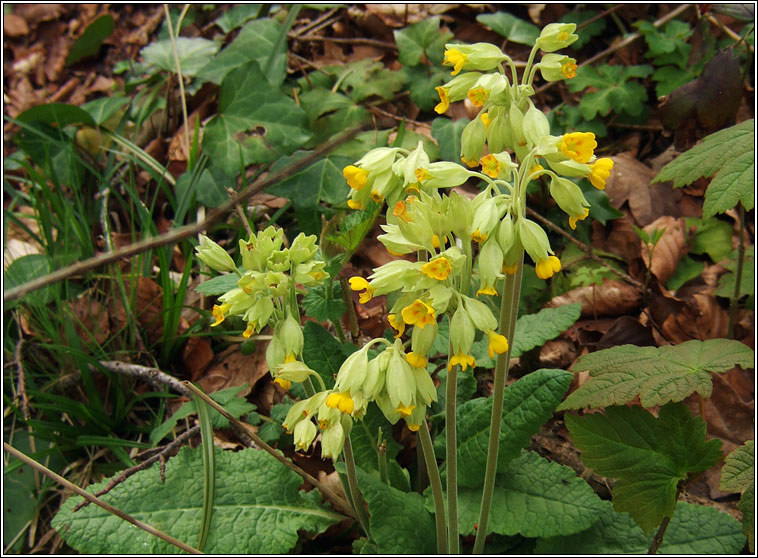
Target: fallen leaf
<point x="91" y="320"/>
<point x="626" y="330"/>
<point x="557" y="353"/>
<point x="621" y="241"/>
<point x="235" y="369"/>
<point x="332" y="481"/>
<point x="15" y="26"/>
<point x="197" y="355"/>
<point x="611" y="298"/>
<point x="701" y="317"/>
<point x="34" y="14"/>
<point x="671" y="247"/>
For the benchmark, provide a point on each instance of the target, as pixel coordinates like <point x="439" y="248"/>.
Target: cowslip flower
<point x="455" y="58"/>
<point x="419" y="313"/>
<point x="547" y="267"/>
<point x="579" y="146"/>
<point x="497" y="343"/>
<point x="341" y="401"/>
<point x="356" y="177"/>
<point x="601" y="170"/>
<point x="556" y="36"/>
<point x="219" y="312"/>
<point x="360" y="284"/>
<point x="438" y="268"/>
<point x="444" y="103"/>
<point x="397" y="325"/>
<point x="213" y="255"/>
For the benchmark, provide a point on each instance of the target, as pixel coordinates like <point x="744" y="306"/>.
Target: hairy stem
<point x="352" y="481"/>
<point x="434" y="480"/>
<point x="451" y="461"/>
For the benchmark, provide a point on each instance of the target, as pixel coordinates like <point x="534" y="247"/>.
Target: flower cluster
<point x="265" y="293"/>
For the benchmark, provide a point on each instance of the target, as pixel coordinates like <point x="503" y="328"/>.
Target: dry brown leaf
<point x="34" y="14"/>
<point x="630" y="182"/>
<point x="91" y="320"/>
<point x="402" y="15"/>
<point x="15" y="26"/>
<point x="671" y="247"/>
<point x="557" y="353"/>
<point x="197" y="355"/>
<point x="700" y="318"/>
<point x="332" y="481"/>
<point x="235" y="369"/>
<point x="621" y="241"/>
<point x="177" y="149"/>
<point x="611" y="298"/>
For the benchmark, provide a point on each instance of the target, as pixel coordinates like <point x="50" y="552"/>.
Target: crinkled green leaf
<point x="533" y="330"/>
<point x="354" y="227"/>
<point x="712" y="236"/>
<point x="527" y="404"/>
<point x="657" y="374"/>
<point x="414" y="40"/>
<point x="667" y="44"/>
<point x="319" y="307"/>
<point x="365" y="439"/>
<point x="649" y="456"/>
<point x="256" y="123"/>
<point x="509" y="26"/>
<point x="255" y="43"/>
<point x="613" y="89"/>
<point x="193" y="53"/>
<point x="218" y="285"/>
<point x="728" y="154"/>
<point x="258" y="508"/>
<point x="398" y="521"/>
<point x="534" y="498"/>
<point x="465" y="390"/>
<point x="693" y="530"/>
<point x="747" y="507"/>
<point x="738" y="472"/>
<point x="323" y="353"/>
<point x="728" y="280"/>
<point x="330" y="113"/>
<point x="367" y="78"/>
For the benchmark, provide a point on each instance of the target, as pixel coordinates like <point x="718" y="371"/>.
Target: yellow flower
<point x="341" y="401"/>
<point x="510" y="269"/>
<point x="360" y="284"/>
<point x="470" y="162"/>
<point x="439" y="268"/>
<point x="219" y="313"/>
<point x="578" y="146"/>
<point x="249" y="330"/>
<point x="376" y="196"/>
<point x="536" y="168"/>
<point x="478" y="236"/>
<point x="444" y="103"/>
<point x="462" y="359"/>
<point x="422" y="175"/>
<point x="569" y="69"/>
<point x="601" y="170"/>
<point x="487" y="290"/>
<point x="401" y="212"/>
<point x="455" y="58"/>
<point x="546" y="268"/>
<point x="356" y="177"/>
<point x="405" y="410"/>
<point x="436" y="241"/>
<point x="417" y="360"/>
<point x="490" y="166"/>
<point x="354" y="204"/>
<point x="485" y="117"/>
<point x="397" y="325"/>
<point x="497" y="344"/>
<point x="286" y="384"/>
<point x="419" y="313"/>
<point x="477" y="96"/>
<point x="573" y="219"/>
<point x="413" y="427"/>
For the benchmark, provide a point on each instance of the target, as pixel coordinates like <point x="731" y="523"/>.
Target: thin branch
<point x="348" y="41"/>
<point x="177" y="234"/>
<point x="153" y="376"/>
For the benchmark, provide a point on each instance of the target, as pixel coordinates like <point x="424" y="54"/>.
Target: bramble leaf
<point x="693" y="530"/>
<point x="528" y="403"/>
<point x="614" y="91"/>
<point x="729" y="155"/>
<point x="319" y="307"/>
<point x="649" y="456"/>
<point x="738" y="475"/>
<point x="657" y="374"/>
<point x="534" y="497"/>
<point x="257" y="500"/>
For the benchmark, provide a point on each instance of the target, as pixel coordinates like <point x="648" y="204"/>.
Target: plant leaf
<point x="509" y="26"/>
<point x="318" y="307"/>
<point x="692" y="530"/>
<point x="413" y="41"/>
<point x="91" y="40"/>
<point x="648" y="456"/>
<point x="533" y="330"/>
<point x="657" y="374"/>
<point x="534" y="498"/>
<point x="193" y="53"/>
<point x="527" y="404"/>
<point x="448" y="135"/>
<point x="613" y="91"/>
<point x="218" y="285"/>
<point x="738" y="475"/>
<point x="257" y="499"/>
<point x="323" y="353"/>
<point x="729" y="155"/>
<point x="237" y="16"/>
<point x="588" y="31"/>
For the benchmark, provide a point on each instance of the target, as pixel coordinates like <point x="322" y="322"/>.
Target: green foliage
<point x="218" y="285"/>
<point x="330" y="113"/>
<point x="448" y="135"/>
<point x="399" y="522"/>
<point x="237" y="16"/>
<point x="366" y="78"/>
<point x="657" y="374"/>
<point x="89" y="42"/>
<point x="464" y="390"/>
<point x="257" y="499"/>
<point x="712" y="237"/>
<point x="588" y="31"/>
<point x="193" y="54"/>
<point x="631" y="445"/>
<point x="419" y="40"/>
<point x="668" y="47"/>
<point x="692" y="530"/>
<point x="727" y="282"/>
<point x="568" y="118"/>
<point x="738" y="475"/>
<point x="527" y="404"/>
<point x="509" y="26"/>
<point x="534" y="497"/>
<point x="533" y="330"/>
<point x="323" y="353"/>
<point x="365" y="440"/>
<point x="686" y="269"/>
<point x="26" y="268"/>
<point x="613" y="89"/>
<point x="255" y="123"/>
<point x="354" y="227"/>
<point x="324" y="302"/>
<point x="729" y="155"/>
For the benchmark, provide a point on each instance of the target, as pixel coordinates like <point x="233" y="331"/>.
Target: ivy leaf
<point x="534" y="498"/>
<point x="237" y="16"/>
<point x="319" y="307"/>
<point x="218" y="285"/>
<point x="422" y="81"/>
<point x="414" y="41"/>
<point x="649" y="456"/>
<point x="729" y="155"/>
<point x="447" y="133"/>
<point x="330" y="113"/>
<point x="193" y="54"/>
<point x="657" y="374"/>
<point x="693" y="530"/>
<point x="738" y="475"/>
<point x="323" y="353"/>
<point x="527" y="404"/>
<point x="255" y="123"/>
<point x="398" y="521"/>
<point x="509" y="26"/>
<point x="533" y="330"/>
<point x="366" y="78"/>
<point x="613" y="91"/>
<point x="257" y="499"/>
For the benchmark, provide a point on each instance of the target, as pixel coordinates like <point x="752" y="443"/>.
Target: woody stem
<point x="508" y="316"/>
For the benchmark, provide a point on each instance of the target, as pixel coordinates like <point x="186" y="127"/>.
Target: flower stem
<point x="451" y="461"/>
<point x="508" y="316"/>
<point x="436" y="484"/>
<point x="352" y="481"/>
<point x="737" y="274"/>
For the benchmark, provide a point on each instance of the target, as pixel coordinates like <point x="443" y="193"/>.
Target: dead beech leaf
<point x="235" y="369"/>
<point x="15" y="26"/>
<point x="670" y="248"/>
<point x="197" y="355"/>
<point x="91" y="320"/>
<point x="557" y="353"/>
<point x="611" y="298"/>
<point x="701" y="317"/>
<point x="332" y="481"/>
<point x="34" y="14"/>
<point x="630" y="182"/>
<point x="622" y="240"/>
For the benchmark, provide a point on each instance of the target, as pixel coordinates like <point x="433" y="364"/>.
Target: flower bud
<point x="305" y="433"/>
<point x="213" y="255"/>
<point x="480" y="314"/>
<point x="479" y="56"/>
<point x="445" y="174"/>
<point x="303" y="248"/>
<point x="490" y="263"/>
<point x="555" y="67"/>
<point x="260" y="313"/>
<point x="570" y="199"/>
<point x="534" y="239"/>
<point x="462" y="213"/>
<point x="294" y="371"/>
<point x="535" y="125"/>
<point x="275" y="354"/>
<point x="426" y="392"/>
<point x="416" y="159"/>
<point x="291" y="335"/>
<point x="461" y="339"/>
<point x="394" y="240"/>
<point x="333" y="440"/>
<point x="378" y="159"/>
<point x="421" y="343"/>
<point x="506" y="233"/>
<point x="556" y="36"/>
<point x="353" y="371"/>
<point x="472" y="142"/>
<point x="401" y="384"/>
<point x="486" y="217"/>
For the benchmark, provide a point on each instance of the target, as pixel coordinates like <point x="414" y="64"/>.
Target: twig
<point x="153" y="376"/>
<point x="348" y="41"/>
<point x="584" y="248"/>
<point x="87" y="496"/>
<point x="177" y="234"/>
<point x="21" y="383"/>
<point x="734" y="36"/>
<point x="161" y="454"/>
<point x="621" y="44"/>
<point x="179" y="67"/>
<point x="316" y="24"/>
<point x="383" y="112"/>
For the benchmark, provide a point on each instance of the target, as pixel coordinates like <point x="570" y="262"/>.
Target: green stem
<point x="434" y="480"/>
<point x="738" y="274"/>
<point x="451" y="461"/>
<point x="508" y="316"/>
<point x="352" y="481"/>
